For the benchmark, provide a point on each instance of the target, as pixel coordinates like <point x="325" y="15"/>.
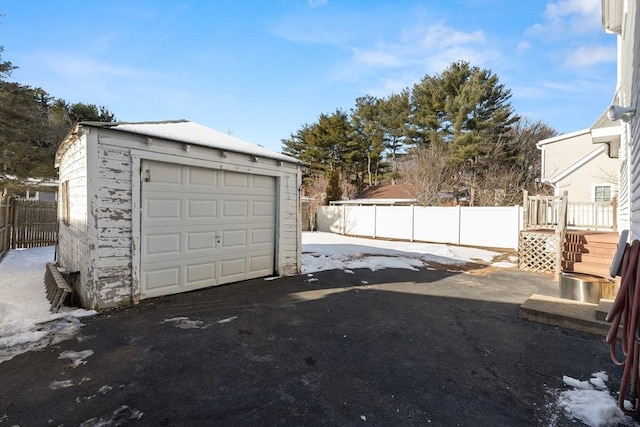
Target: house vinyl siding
<point x="105" y="247"/>
<point x="628" y="93"/>
<point x="633" y="58"/>
<point x="624" y="209"/>
<point x="564" y="153"/>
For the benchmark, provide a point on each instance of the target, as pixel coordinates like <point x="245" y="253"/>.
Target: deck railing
<point x="595" y="215"/>
<point x="543" y="212"/>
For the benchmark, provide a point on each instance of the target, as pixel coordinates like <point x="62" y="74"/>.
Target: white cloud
<point x="573" y="7"/>
<point x="586" y="56"/>
<point x="564" y="18"/>
<point x="75" y="66"/>
<point x="444" y="36"/>
<point x="401" y="62"/>
<point x="377" y="58"/>
<point x="523" y="46"/>
<point x="317" y="3"/>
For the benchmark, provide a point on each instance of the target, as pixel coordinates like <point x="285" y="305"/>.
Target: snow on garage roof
<point x="193" y="133"/>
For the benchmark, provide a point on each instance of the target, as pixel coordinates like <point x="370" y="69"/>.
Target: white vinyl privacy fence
<point x="492" y="227"/>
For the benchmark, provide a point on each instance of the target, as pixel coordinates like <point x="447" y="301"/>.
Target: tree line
<point x="451" y="136"/>
<point x="32" y="124"/>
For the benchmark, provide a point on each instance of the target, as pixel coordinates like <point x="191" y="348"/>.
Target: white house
<point x="583" y="163"/>
<point x="622" y="17"/>
<point x="151" y="209"/>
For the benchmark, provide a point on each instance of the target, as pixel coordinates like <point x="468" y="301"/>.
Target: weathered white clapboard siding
<point x="72" y="236"/>
<point x="114" y="203"/>
<point x="104" y="245"/>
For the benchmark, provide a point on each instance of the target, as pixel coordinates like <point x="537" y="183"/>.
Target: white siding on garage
<point x="113" y="220"/>
<point x="72" y="234"/>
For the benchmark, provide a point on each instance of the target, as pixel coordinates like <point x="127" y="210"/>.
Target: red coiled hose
<point x="625" y="311"/>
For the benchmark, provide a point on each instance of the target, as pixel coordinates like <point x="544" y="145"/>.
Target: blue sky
<point x="261" y="69"/>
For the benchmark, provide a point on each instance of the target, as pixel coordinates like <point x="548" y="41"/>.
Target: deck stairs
<point x="589" y="252"/>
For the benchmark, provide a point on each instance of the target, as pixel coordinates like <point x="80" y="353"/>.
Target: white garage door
<point x="202" y="227"/>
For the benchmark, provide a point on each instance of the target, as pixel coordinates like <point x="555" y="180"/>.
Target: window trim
<point x="594" y="188"/>
<point x="64" y="202"/>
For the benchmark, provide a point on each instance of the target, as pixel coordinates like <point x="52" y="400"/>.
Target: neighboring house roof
<point x="31" y="182"/>
<point x="380" y="195"/>
<point x="186" y="132"/>
<point x="398" y="191"/>
<point x="603" y="130"/>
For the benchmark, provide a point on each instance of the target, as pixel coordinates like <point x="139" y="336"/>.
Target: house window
<point x="64" y="202"/>
<point x="602" y="193"/>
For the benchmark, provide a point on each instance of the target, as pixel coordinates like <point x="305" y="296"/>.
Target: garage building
<point x="157" y="208"/>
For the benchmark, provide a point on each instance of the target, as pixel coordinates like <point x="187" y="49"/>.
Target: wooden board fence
<point x="5" y="225"/>
<point x="35" y="224"/>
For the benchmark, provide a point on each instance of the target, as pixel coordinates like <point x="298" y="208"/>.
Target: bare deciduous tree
<point x="499" y="185"/>
<point x="429" y="175"/>
<point x="315" y="191"/>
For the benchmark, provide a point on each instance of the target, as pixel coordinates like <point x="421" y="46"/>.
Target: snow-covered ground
<point x="328" y="251"/>
<point x="27" y="324"/>
<point x="25" y="320"/>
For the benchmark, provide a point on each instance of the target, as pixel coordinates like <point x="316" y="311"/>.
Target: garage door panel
<point x="202" y="209"/>
<point x="201" y="274"/>
<point x="262" y="209"/>
<point x="202" y="177"/>
<point x="234" y="209"/>
<point x="234" y="239"/>
<point x="203" y="227"/>
<point x="233" y="267"/>
<point x="261" y="236"/>
<point x="167" y="243"/>
<point x="163" y="209"/>
<point x="235" y="180"/>
<point x="200" y="240"/>
<point x="264" y="182"/>
<point x="164" y="173"/>
<point x="260" y="263"/>
<point x="162" y="278"/>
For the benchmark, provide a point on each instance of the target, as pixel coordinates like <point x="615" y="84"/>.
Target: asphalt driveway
<point x="392" y="347"/>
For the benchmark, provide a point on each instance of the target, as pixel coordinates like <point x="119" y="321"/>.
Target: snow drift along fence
<point x="492" y="227"/>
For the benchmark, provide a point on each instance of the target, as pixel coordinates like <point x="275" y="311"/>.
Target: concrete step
<point x="603" y="308"/>
<point x="565" y="313"/>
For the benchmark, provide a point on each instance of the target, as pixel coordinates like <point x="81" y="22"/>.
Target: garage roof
<point x="191" y="133"/>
